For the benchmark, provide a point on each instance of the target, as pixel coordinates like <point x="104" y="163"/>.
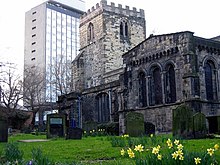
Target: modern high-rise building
<point x="51" y="44"/>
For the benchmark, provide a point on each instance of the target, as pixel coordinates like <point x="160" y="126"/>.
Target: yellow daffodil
<point x="197" y="160"/>
<point x="179" y="152"/>
<point x="216" y="146"/>
<point x="122" y="152"/>
<point x="170" y="145"/>
<point x="151" y="135"/>
<point x="155" y="150"/>
<point x="180" y="147"/>
<point x="84" y="132"/>
<point x="139" y="148"/>
<point x="93" y="130"/>
<point x="174" y="155"/>
<point x="90" y="131"/>
<point x="169" y="141"/>
<point x="181" y="157"/>
<point x="210" y="151"/>
<point x="159" y="156"/>
<point x="176" y="142"/>
<point x="130" y="153"/>
<point x="158" y="147"/>
<point x="125" y="135"/>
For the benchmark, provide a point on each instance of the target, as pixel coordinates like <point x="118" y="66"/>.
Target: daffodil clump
<point x="172" y="153"/>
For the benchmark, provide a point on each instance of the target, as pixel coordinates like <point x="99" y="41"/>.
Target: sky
<point x="162" y="16"/>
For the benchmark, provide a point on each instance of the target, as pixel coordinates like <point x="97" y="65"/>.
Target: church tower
<point x="106" y="33"/>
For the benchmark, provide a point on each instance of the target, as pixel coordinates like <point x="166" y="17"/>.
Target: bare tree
<point x="33" y="86"/>
<point x="60" y="75"/>
<point x="11" y="87"/>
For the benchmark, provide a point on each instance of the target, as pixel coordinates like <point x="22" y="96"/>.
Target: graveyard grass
<point x="95" y="150"/>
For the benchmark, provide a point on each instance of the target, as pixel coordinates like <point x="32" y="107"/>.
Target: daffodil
<point x="169" y="141"/>
<point x="155" y="150"/>
<point x="139" y="148"/>
<point x="151" y="135"/>
<point x="130" y="153"/>
<point x="174" y="155"/>
<point x="210" y="151"/>
<point x="197" y="160"/>
<point x="179" y="152"/>
<point x="159" y="156"/>
<point x="176" y="142"/>
<point x="181" y="157"/>
<point x="216" y="146"/>
<point x="84" y="132"/>
<point x="180" y="147"/>
<point x="158" y="147"/>
<point x="170" y="145"/>
<point x="122" y="152"/>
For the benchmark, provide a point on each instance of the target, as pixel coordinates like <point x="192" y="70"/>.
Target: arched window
<point x="124" y="29"/>
<point x="102" y="107"/>
<point x="155" y="87"/>
<point x="90" y="32"/>
<point x="210" y="80"/>
<point x="142" y="89"/>
<point x="170" y="84"/>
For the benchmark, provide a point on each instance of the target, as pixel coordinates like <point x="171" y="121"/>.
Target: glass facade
<point x="62" y="46"/>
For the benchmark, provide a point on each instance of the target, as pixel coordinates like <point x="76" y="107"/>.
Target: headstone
<point x="3" y="130"/>
<point x="149" y="128"/>
<point x="199" y="125"/>
<point x="135" y="124"/>
<point x="56" y="125"/>
<point x="183" y="122"/>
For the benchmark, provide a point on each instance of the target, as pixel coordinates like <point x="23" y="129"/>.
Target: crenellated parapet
<point x="103" y="6"/>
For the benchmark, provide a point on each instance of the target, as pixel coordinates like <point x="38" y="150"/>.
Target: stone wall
<point x="102" y="55"/>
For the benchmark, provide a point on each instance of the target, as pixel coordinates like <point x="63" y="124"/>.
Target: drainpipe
<point x="110" y="103"/>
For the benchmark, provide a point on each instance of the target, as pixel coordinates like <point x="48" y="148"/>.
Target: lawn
<point x="99" y="149"/>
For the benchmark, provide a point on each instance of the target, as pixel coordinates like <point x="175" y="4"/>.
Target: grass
<point x="97" y="150"/>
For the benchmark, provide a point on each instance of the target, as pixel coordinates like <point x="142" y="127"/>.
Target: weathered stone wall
<point x="102" y="55"/>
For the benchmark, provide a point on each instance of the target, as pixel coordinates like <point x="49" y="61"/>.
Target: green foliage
<point x="134" y="124"/>
<point x="38" y="158"/>
<point x="12" y="152"/>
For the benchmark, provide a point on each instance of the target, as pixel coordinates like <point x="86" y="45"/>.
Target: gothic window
<point x="90" y="32"/>
<point x="124" y="29"/>
<point x="170" y="84"/>
<point x="142" y="89"/>
<point x="102" y="107"/>
<point x="210" y="81"/>
<point x="155" y="87"/>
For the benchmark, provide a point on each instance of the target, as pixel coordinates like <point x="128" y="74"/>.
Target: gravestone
<point x="56" y="125"/>
<point x="183" y="122"/>
<point x="149" y="128"/>
<point x="199" y="125"/>
<point x="134" y="124"/>
<point x="3" y="130"/>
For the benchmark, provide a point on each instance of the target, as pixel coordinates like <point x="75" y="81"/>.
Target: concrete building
<point x="52" y="42"/>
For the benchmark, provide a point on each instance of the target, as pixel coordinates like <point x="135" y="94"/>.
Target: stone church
<point x="119" y="70"/>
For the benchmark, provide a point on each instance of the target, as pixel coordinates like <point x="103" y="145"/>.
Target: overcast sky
<point x="162" y="16"/>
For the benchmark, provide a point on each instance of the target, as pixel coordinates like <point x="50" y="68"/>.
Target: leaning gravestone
<point x="3" y="130"/>
<point x="134" y="124"/>
<point x="183" y="122"/>
<point x="199" y="125"/>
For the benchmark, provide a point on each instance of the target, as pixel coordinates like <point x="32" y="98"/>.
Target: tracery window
<point x="170" y="84"/>
<point x="210" y="80"/>
<point x="142" y="89"/>
<point x="102" y="107"/>
<point x="155" y="87"/>
<point x="124" y="29"/>
<point x="90" y="32"/>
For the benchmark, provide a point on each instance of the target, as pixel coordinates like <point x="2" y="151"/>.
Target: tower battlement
<point x="103" y="6"/>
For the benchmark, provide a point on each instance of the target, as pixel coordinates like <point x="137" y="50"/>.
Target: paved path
<point x="33" y="140"/>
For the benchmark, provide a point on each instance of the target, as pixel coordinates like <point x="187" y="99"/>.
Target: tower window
<point x="124" y="29"/>
<point x="90" y="32"/>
